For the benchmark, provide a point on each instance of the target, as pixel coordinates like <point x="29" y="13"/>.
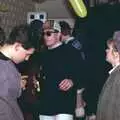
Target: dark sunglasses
<point x="49" y="33"/>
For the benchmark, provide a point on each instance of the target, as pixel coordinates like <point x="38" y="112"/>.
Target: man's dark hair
<point x="36" y="30"/>
<point x="2" y="36"/>
<point x="112" y="42"/>
<point x="65" y="28"/>
<point x="23" y="35"/>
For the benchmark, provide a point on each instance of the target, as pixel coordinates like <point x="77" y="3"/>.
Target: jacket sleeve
<point x="4" y="80"/>
<point x="77" y="67"/>
<point x="115" y="98"/>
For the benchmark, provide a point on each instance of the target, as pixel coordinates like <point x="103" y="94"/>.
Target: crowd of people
<point x="45" y="87"/>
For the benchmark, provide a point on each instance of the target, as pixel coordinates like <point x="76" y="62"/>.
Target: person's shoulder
<point x="60" y="48"/>
<point x="3" y="70"/>
<point x="3" y="62"/>
<point x="47" y="54"/>
<point x="6" y="66"/>
<point x="116" y="74"/>
<point x="76" y="44"/>
<point x="63" y="49"/>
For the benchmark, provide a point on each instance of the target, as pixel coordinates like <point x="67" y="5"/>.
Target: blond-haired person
<point x="109" y="99"/>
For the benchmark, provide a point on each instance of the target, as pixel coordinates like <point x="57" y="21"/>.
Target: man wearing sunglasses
<point x="57" y="96"/>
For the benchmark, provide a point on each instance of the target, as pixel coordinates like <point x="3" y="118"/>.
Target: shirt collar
<point x="3" y="57"/>
<point x="55" y="46"/>
<point x="113" y="68"/>
<point x="69" y="39"/>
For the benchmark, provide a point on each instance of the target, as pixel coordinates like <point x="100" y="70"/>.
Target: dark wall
<point x="98" y="26"/>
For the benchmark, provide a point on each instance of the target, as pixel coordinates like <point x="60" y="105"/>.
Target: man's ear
<point x="17" y="46"/>
<point x="116" y="54"/>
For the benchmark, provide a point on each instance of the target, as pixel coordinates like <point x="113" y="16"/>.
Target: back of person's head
<point x="22" y="35"/>
<point x="65" y="28"/>
<point x="116" y="37"/>
<point x="36" y="25"/>
<point x="36" y="28"/>
<point x="2" y="36"/>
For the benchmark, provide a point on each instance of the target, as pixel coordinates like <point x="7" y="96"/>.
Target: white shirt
<point x="55" y="46"/>
<point x="113" y="68"/>
<point x="69" y="39"/>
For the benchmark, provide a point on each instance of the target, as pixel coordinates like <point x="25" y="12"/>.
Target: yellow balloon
<point x="79" y="7"/>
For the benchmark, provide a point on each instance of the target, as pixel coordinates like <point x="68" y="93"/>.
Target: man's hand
<point x="66" y="84"/>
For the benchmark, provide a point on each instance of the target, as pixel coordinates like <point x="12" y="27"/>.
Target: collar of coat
<point x="114" y="68"/>
<point x="69" y="39"/>
<point x="3" y="57"/>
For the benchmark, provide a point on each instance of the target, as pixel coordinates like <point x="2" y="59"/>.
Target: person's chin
<point x="107" y="61"/>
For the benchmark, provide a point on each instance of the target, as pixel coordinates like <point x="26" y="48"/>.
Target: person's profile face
<point x="50" y="37"/>
<point x="22" y="54"/>
<point x="110" y="54"/>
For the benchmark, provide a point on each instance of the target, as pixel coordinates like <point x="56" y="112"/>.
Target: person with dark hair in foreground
<point x="17" y="48"/>
<point x="28" y="70"/>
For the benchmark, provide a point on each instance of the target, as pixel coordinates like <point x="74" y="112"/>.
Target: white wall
<point x="54" y="8"/>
